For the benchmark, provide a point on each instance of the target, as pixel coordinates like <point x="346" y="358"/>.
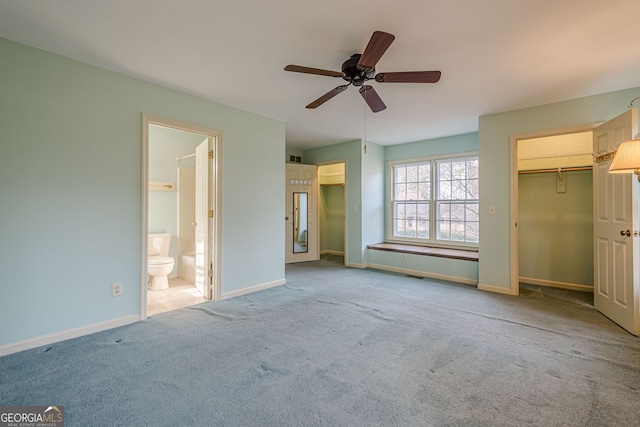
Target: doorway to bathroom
<point x="181" y="178"/>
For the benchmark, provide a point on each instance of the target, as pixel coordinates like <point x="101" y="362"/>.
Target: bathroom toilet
<point x="159" y="263"/>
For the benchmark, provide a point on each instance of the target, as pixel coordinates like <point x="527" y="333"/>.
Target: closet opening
<point x="553" y="203"/>
<point x="331" y="209"/>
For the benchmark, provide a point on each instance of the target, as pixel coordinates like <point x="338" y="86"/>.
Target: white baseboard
<point x="329" y="252"/>
<point x="555" y="284"/>
<point x="496" y="289"/>
<point x="419" y="273"/>
<point x="354" y="265"/>
<point x="66" y="335"/>
<point x="252" y="289"/>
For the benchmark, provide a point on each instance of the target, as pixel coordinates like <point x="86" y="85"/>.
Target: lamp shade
<point x="627" y="158"/>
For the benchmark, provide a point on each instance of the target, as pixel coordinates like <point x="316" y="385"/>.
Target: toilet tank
<point x="159" y="244"/>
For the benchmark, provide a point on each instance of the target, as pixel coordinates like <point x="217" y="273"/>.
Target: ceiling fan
<point x="361" y="67"/>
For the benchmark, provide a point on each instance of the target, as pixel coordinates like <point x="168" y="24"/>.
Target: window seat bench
<point x="462" y="254"/>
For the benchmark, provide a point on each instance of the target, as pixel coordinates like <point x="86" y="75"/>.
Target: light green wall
<point x="425" y="266"/>
<point x="367" y="224"/>
<point x="349" y="152"/>
<point x="555" y="230"/>
<point x="493" y="143"/>
<point x="364" y="183"/>
<point x="373" y="196"/>
<point x="71" y="186"/>
<point x="463" y="143"/>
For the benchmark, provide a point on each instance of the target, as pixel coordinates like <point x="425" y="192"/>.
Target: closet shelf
<point x="569" y="169"/>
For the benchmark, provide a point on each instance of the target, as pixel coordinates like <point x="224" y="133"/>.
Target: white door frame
<point x="346" y="223"/>
<point x="514" y="267"/>
<point x="203" y="232"/>
<point x="147" y="120"/>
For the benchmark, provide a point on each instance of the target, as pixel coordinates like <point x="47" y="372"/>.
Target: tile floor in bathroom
<point x="180" y="294"/>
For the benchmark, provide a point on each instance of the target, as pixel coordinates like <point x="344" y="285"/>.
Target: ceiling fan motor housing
<point x="354" y="75"/>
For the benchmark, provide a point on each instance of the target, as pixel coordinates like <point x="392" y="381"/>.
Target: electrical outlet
<point x="116" y="289"/>
<point x="404" y="257"/>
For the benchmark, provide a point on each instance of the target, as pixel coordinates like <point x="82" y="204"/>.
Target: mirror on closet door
<point x="300" y="223"/>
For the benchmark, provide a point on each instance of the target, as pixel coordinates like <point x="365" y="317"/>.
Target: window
<point x="411" y="200"/>
<point x="435" y="201"/>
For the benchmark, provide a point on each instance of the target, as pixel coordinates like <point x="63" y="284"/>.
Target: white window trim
<point x="432" y="203"/>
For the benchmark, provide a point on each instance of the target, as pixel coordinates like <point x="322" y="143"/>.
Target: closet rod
<point x="585" y="168"/>
<point x="331" y="185"/>
<point x="186" y="157"/>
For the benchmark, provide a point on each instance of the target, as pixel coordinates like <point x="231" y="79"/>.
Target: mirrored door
<point x="300" y="222"/>
<point x="301" y="225"/>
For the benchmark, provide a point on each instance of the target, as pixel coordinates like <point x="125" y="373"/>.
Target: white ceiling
<point x="495" y="55"/>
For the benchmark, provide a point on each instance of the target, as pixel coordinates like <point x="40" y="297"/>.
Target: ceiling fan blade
<point x="327" y="96"/>
<point x="378" y="45"/>
<point x="372" y="98"/>
<point x="409" y="77"/>
<point x="317" y="71"/>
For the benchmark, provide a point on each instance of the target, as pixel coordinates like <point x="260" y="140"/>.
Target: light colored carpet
<point x="345" y="347"/>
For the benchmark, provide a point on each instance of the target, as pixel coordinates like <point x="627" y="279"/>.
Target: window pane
<point x="401" y="174"/>
<point x="412" y="211"/>
<point x="412" y="191"/>
<point x="473" y="171"/>
<point x="424" y="172"/>
<point x="443" y="230"/>
<point x="457" y="211"/>
<point x="424" y="191"/>
<point x="403" y="192"/>
<point x="473" y="189"/>
<point x="472" y="212"/>
<point x="457" y="231"/>
<point x="423" y="229"/>
<point x="412" y="173"/>
<point x="458" y="170"/>
<point x="444" y="190"/>
<point x="471" y="232"/>
<point x="444" y="171"/>
<point x="458" y="189"/>
<point x="423" y="210"/>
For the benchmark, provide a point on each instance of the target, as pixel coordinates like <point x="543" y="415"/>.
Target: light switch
<point x="492" y="210"/>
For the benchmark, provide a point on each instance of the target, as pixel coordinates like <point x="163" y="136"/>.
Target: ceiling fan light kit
<point x="361" y="67"/>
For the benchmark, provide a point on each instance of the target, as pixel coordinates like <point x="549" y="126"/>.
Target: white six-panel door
<point x="615" y="227"/>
